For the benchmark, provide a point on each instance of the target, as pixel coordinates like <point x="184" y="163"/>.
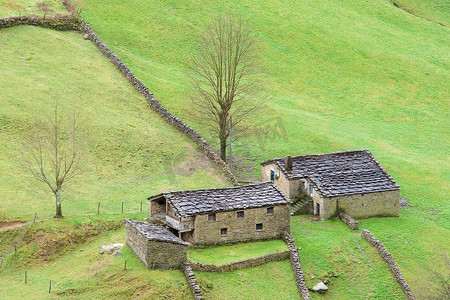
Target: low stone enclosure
<point x="390" y="261"/>
<point x="243" y="264"/>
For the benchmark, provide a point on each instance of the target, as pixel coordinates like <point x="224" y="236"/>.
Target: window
<point x="311" y="190"/>
<point x="161" y="202"/>
<point x="272" y="175"/>
<point x="212" y="217"/>
<point x="240" y="214"/>
<point x="270" y="211"/>
<point x="223" y="231"/>
<point x="259" y="226"/>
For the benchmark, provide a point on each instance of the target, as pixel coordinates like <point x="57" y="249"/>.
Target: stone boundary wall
<point x="70" y="23"/>
<point x="390" y="261"/>
<point x="157" y="106"/>
<point x="296" y="266"/>
<point x="243" y="264"/>
<point x="192" y="281"/>
<point x="349" y="221"/>
<point x="63" y="23"/>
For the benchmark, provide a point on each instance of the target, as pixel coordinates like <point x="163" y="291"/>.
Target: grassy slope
<point x="433" y="10"/>
<point x="274" y="280"/>
<point x="226" y="254"/>
<point x="134" y="153"/>
<point x="82" y="273"/>
<point x="12" y="8"/>
<point x="343" y="75"/>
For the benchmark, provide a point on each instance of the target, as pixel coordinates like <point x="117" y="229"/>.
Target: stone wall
<point x="241" y="230"/>
<point x="164" y="255"/>
<point x="378" y="204"/>
<point x="390" y="261"/>
<point x="243" y="264"/>
<point x="157" y="106"/>
<point x="58" y="23"/>
<point x="137" y="242"/>
<point x="192" y="281"/>
<point x="155" y="254"/>
<point x="349" y="221"/>
<point x="71" y="23"/>
<point x="296" y="266"/>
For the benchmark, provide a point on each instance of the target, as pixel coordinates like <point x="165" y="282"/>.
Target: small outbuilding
<point x="223" y="215"/>
<point x="156" y="246"/>
<point x="352" y="182"/>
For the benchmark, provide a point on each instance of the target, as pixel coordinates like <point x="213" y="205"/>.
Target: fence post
<point x="141" y="206"/>
<point x="50" y="287"/>
<point x="35" y="214"/>
<point x="26" y="276"/>
<point x="122" y="206"/>
<point x="1" y="265"/>
<point x="125" y="268"/>
<point x="98" y="208"/>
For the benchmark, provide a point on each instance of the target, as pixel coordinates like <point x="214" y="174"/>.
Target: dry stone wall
<point x="192" y="281"/>
<point x="71" y="23"/>
<point x="248" y="263"/>
<point x="296" y="266"/>
<point x="349" y="221"/>
<point x="157" y="106"/>
<point x="58" y="23"/>
<point x="390" y="261"/>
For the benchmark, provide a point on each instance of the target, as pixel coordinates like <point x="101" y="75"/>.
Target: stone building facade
<point x="352" y="182"/>
<point x="157" y="247"/>
<point x="225" y="215"/>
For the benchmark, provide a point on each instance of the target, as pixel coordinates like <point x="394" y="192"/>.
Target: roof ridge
<point x="320" y="154"/>
<point x="213" y="189"/>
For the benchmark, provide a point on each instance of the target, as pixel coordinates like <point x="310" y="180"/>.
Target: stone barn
<point x="352" y="182"/>
<point x="157" y="247"/>
<point x="223" y="215"/>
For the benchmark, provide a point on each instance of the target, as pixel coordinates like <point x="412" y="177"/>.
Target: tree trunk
<point x="58" y="205"/>
<point x="223" y="148"/>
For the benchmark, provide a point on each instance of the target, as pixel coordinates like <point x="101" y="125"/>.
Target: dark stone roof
<point x="154" y="232"/>
<point x="190" y="203"/>
<point x="339" y="173"/>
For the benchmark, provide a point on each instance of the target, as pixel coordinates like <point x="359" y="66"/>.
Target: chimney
<point x="288" y="163"/>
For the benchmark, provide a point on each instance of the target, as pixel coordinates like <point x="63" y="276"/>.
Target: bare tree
<point x="52" y="151"/>
<point x="224" y="77"/>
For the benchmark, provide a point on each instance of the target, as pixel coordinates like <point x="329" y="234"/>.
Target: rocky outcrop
<point x="390" y="261"/>
<point x="192" y="281"/>
<point x="296" y="266"/>
<point x="244" y="264"/>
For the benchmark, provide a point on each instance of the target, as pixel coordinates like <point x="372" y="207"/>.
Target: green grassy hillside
<point x="13" y="8"/>
<point x="433" y="10"/>
<point x="79" y="271"/>
<point x="341" y="75"/>
<point x="132" y="152"/>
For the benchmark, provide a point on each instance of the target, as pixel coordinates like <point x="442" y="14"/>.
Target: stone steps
<point x="300" y="205"/>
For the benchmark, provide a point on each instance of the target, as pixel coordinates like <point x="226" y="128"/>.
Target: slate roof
<point x="339" y="173"/>
<point x="190" y="203"/>
<point x="154" y="232"/>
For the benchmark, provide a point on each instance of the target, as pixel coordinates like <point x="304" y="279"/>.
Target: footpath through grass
<point x="132" y="153"/>
<point x="222" y="255"/>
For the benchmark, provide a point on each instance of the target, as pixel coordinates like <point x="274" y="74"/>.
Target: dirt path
<point x="10" y="225"/>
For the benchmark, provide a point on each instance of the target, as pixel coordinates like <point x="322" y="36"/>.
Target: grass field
<point x="132" y="153"/>
<point x="14" y="8"/>
<point x="80" y="272"/>
<point x="341" y="75"/>
<point x="226" y="254"/>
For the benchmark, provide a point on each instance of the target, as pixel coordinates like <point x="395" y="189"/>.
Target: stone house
<point x="224" y="215"/>
<point x="157" y="247"/>
<point x="352" y="182"/>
